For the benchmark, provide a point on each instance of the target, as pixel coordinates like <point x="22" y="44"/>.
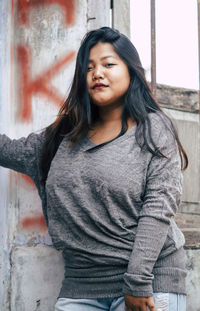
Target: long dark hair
<point x="77" y="115"/>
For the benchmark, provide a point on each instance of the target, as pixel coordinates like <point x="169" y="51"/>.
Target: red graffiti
<point x="34" y="222"/>
<point x="23" y="7"/>
<point x="27" y="179"/>
<point x="40" y="85"/>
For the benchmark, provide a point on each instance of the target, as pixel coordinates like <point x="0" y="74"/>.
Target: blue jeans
<point x="163" y="302"/>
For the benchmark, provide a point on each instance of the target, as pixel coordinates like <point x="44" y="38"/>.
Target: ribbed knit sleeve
<point x="162" y="197"/>
<point x="22" y="155"/>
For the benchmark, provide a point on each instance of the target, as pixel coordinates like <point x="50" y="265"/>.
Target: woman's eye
<point x="109" y="65"/>
<point x="89" y="68"/>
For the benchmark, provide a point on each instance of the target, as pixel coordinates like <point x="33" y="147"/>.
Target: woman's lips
<point x="99" y="86"/>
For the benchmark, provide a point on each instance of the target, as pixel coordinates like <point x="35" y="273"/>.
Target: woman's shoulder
<point x="35" y="138"/>
<point x="160" y="120"/>
<point x="162" y="129"/>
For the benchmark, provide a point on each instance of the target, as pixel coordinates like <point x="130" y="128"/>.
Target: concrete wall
<point x="5" y="36"/>
<point x="188" y="217"/>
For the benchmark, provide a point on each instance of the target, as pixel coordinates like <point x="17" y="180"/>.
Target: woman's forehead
<point x="102" y="51"/>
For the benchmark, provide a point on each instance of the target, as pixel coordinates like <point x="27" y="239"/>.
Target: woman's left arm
<point x="22" y="155"/>
<point x="161" y="200"/>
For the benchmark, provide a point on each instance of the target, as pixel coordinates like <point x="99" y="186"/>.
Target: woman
<point x="108" y="171"/>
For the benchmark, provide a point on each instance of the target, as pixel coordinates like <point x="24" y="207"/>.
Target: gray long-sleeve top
<point x="110" y="209"/>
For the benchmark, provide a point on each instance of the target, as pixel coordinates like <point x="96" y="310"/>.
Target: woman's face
<point x="108" y="77"/>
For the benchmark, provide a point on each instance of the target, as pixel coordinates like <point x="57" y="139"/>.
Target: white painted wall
<point x="4" y="174"/>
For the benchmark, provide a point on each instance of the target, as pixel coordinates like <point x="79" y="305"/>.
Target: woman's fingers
<point x="151" y="305"/>
<point x="139" y="303"/>
<point x="138" y="309"/>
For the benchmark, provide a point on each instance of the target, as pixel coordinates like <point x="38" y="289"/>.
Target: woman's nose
<point x="98" y="73"/>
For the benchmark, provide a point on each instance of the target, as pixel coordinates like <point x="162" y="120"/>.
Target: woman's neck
<point x="110" y="115"/>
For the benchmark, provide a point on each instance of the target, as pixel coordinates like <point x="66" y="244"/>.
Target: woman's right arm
<point x="22" y="155"/>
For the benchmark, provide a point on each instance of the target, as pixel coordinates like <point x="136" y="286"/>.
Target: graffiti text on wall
<point x="34" y="222"/>
<point x="40" y="85"/>
<point x="24" y="6"/>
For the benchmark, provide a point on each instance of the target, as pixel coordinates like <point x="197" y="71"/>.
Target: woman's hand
<point x="139" y="303"/>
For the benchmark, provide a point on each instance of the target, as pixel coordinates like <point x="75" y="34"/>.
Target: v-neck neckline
<point x="88" y="144"/>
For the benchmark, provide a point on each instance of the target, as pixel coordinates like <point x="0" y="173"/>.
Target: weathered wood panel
<point x="190" y="208"/>
<point x="178" y="98"/>
<point x="190" y="226"/>
<point x="189" y="135"/>
<point x="95" y="18"/>
<point x="121" y="16"/>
